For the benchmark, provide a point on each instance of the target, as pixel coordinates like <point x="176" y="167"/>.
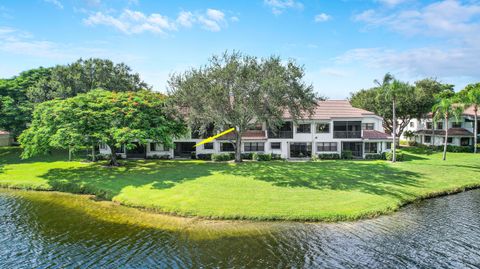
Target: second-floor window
<point x="439" y="125"/>
<point x="456" y="125"/>
<point x="429" y="125"/>
<point x="254" y="146"/>
<point x="412" y="124"/>
<point x="323" y="128"/>
<point x="368" y="126"/>
<point x="304" y="128"/>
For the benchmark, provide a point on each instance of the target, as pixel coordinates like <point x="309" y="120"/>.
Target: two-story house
<point x="334" y="126"/>
<point x="460" y="132"/>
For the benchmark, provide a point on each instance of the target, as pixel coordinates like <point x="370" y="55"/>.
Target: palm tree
<point x="472" y="98"/>
<point x="445" y="109"/>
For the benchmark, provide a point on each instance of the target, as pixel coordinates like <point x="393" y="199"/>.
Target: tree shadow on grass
<point x="375" y="178"/>
<point x="108" y="182"/>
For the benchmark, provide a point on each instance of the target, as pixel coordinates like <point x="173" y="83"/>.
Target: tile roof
<point x="4" y="132"/>
<point x="469" y="111"/>
<point x="374" y="134"/>
<point x="330" y="109"/>
<point x="451" y="132"/>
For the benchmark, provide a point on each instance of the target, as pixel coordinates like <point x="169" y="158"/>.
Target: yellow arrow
<point x="211" y="138"/>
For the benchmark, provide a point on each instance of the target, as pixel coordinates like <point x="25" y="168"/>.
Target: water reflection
<point x="55" y="230"/>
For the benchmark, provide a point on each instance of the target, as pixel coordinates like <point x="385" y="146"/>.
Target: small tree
<point x="112" y="118"/>
<point x="445" y="109"/>
<point x="236" y="90"/>
<point x="470" y="96"/>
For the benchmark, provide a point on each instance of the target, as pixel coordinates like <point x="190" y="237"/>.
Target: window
<point x="412" y="124"/>
<point x="464" y="141"/>
<point x="323" y="128"/>
<point x="368" y="126"/>
<point x="449" y="140"/>
<point x="327" y="146"/>
<point x="303" y="128"/>
<point x="427" y="139"/>
<point x="429" y="125"/>
<point x="371" y="147"/>
<point x="226" y="147"/>
<point x="456" y="125"/>
<point x="389" y="145"/>
<point x="208" y="146"/>
<point x="157" y="147"/>
<point x="254" y="146"/>
<point x="276" y="145"/>
<point x="440" y="125"/>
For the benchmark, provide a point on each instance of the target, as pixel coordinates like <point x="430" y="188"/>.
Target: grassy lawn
<point x="326" y="190"/>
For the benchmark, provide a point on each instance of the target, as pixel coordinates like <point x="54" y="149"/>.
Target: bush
<point x="412" y="143"/>
<point x="374" y="156"/>
<point x="159" y="157"/>
<point x="276" y="156"/>
<point x="452" y="148"/>
<point x="247" y="156"/>
<point x="222" y="157"/>
<point x="101" y="157"/>
<point x="328" y="156"/>
<point x="205" y="156"/>
<point x="261" y="157"/>
<point x="399" y="156"/>
<point x="347" y="155"/>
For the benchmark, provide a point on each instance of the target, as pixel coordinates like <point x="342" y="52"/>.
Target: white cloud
<point x="56" y="3"/>
<point x="215" y="14"/>
<point x="322" y="17"/>
<point x="447" y="18"/>
<point x="234" y="18"/>
<point x="186" y="18"/>
<point x="391" y="3"/>
<point x="279" y="6"/>
<point x="136" y="22"/>
<point x="333" y="72"/>
<point x="427" y="61"/>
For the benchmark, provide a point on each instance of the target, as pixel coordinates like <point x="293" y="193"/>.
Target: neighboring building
<point x="334" y="126"/>
<point x="460" y="133"/>
<point x="5" y="139"/>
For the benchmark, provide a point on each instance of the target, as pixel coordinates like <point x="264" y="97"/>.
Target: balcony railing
<point x="347" y="134"/>
<point x="280" y="134"/>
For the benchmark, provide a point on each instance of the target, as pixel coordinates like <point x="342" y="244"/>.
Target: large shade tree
<point x="414" y="102"/>
<point x="15" y="107"/>
<point x="470" y="96"/>
<point x="240" y="91"/>
<point x="83" y="76"/>
<point x="100" y="116"/>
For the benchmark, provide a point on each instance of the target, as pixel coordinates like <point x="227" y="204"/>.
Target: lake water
<point x="55" y="230"/>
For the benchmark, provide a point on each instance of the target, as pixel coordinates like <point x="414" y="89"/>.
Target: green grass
<point x="326" y="190"/>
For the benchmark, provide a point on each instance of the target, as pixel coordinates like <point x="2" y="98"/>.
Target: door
<point x="355" y="147"/>
<point x="139" y="151"/>
<point x="184" y="149"/>
<point x="300" y="150"/>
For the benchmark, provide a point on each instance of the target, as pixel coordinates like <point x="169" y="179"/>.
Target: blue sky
<point x="344" y="45"/>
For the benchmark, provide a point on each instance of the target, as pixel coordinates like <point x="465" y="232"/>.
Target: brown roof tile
<point x="374" y="134"/>
<point x="329" y="109"/>
<point x="451" y="132"/>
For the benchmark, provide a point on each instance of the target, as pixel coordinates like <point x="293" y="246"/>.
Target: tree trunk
<point x="94" y="159"/>
<point x="238" y="147"/>
<point x="475" y="131"/>
<point x="433" y="134"/>
<point x="113" y="156"/>
<point x="69" y="154"/>
<point x="446" y="139"/>
<point x="394" y="133"/>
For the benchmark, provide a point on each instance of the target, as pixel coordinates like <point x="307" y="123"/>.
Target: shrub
<point x="276" y="156"/>
<point x="222" y="157"/>
<point x="347" y="155"/>
<point x="453" y="148"/>
<point x="205" y="156"/>
<point x="399" y="156"/>
<point x="247" y="156"/>
<point x="374" y="156"/>
<point x="159" y="157"/>
<point x="329" y="156"/>
<point x="193" y="155"/>
<point x="101" y="157"/>
<point x="412" y="143"/>
<point x="261" y="157"/>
